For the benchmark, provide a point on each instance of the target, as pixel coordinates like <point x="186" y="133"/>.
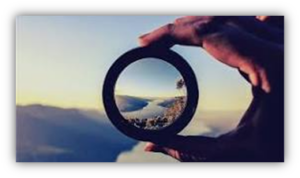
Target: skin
<point x="253" y="46"/>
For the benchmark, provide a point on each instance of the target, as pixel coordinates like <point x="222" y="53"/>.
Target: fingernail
<point x="142" y="42"/>
<point x="148" y="147"/>
<point x="143" y="36"/>
<point x="267" y="89"/>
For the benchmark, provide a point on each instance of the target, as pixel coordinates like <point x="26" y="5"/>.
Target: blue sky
<point x="149" y="77"/>
<point x="62" y="61"/>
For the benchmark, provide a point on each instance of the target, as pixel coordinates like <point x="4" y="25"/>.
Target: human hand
<point x="244" y="43"/>
<point x="228" y="39"/>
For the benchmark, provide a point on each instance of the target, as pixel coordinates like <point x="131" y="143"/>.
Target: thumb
<point x="151" y="147"/>
<point x="185" y="148"/>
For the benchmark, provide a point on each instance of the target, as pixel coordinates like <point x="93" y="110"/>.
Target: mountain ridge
<point x="47" y="133"/>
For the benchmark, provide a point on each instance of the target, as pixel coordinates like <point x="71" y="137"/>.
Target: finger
<point x="265" y="85"/>
<point x="254" y="79"/>
<point x="257" y="77"/>
<point x="162" y="36"/>
<point x="252" y="73"/>
<point x="151" y="147"/>
<point x="187" y="143"/>
<point x="185" y="148"/>
<point x="187" y="19"/>
<point x="262" y="17"/>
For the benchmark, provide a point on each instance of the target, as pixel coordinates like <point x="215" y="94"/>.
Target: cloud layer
<point x="208" y="123"/>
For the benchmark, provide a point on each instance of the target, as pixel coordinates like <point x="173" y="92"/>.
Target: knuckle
<point x="178" y="21"/>
<point x="168" y="30"/>
<point x="169" y="27"/>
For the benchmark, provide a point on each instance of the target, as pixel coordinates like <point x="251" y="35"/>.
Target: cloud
<point x="47" y="149"/>
<point x="213" y="123"/>
<point x="139" y="155"/>
<point x="209" y="124"/>
<point x="47" y="133"/>
<point x="196" y="127"/>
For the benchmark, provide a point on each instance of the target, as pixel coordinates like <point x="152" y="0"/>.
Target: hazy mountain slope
<point x="54" y="134"/>
<point x="130" y="103"/>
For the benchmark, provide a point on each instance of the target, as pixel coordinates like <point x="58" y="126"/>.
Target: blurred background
<point x="61" y="62"/>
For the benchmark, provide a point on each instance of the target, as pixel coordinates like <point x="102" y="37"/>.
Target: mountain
<point x="130" y="103"/>
<point x="47" y="133"/>
<point x="167" y="102"/>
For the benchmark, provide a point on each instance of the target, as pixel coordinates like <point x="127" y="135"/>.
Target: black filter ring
<point x="134" y="55"/>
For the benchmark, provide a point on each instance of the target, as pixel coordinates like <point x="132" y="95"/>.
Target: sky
<point x="149" y="77"/>
<point x="62" y="61"/>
